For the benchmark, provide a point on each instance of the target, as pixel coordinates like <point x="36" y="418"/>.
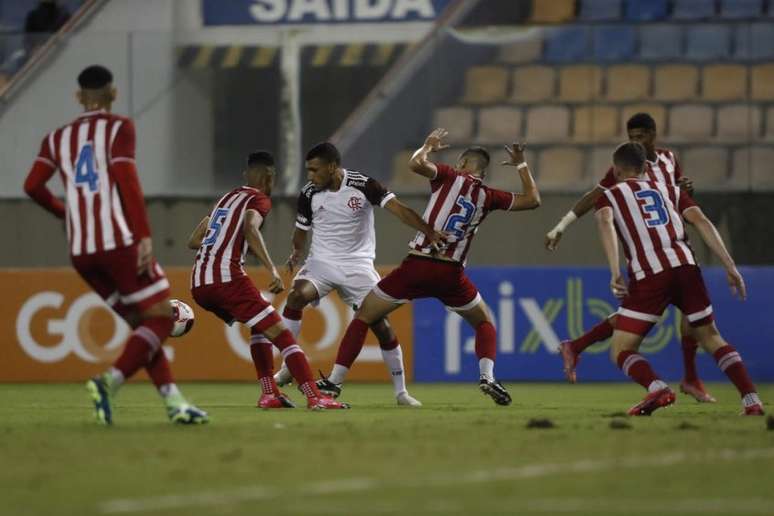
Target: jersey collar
<point x="92" y="113"/>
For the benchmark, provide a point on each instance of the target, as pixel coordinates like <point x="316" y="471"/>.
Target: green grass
<point x="459" y="454"/>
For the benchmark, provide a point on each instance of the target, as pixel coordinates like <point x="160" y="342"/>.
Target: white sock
<point x="283" y="376"/>
<point x="169" y="389"/>
<point x="338" y="373"/>
<point x="486" y="369"/>
<point x="393" y="359"/>
<point x="293" y="325"/>
<point x="656" y="385"/>
<point x="751" y="399"/>
<point x="116" y="379"/>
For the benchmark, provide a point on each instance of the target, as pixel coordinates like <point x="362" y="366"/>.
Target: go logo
<point x="76" y="329"/>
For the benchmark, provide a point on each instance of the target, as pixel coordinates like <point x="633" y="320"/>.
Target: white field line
<point x="254" y="493"/>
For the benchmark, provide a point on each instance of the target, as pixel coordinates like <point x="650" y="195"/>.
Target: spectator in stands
<point x="47" y="18"/>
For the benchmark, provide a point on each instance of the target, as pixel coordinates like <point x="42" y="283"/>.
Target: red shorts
<point x="419" y="277"/>
<point x="237" y="300"/>
<point x="113" y="275"/>
<point x="683" y="287"/>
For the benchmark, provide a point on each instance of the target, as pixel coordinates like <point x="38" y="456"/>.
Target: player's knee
<point x="296" y="300"/>
<point x="160" y="309"/>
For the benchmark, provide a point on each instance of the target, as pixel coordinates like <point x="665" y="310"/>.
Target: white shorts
<point x="353" y="281"/>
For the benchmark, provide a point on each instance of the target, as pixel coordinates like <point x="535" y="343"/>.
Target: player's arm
<point x="610" y="245"/>
<point x="252" y="231"/>
<point x="419" y="162"/>
<point x="35" y="184"/>
<point x="714" y="241"/>
<point x="412" y="219"/>
<point x="685" y="183"/>
<point x="196" y="238"/>
<point x="299" y="245"/>
<point x="529" y="198"/>
<point x="580" y="208"/>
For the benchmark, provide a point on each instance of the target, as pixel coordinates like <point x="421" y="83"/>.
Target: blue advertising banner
<point x="274" y="12"/>
<point x="536" y="308"/>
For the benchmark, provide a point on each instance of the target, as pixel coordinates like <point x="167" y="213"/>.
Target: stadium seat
<point x="754" y="41"/>
<point x="598" y="10"/>
<point x="561" y="168"/>
<point x="741" y="9"/>
<point x="503" y="178"/>
<point x="690" y="122"/>
<point x="485" y="84"/>
<point x="580" y="83"/>
<point x="752" y="168"/>
<point x="403" y="179"/>
<point x="599" y="161"/>
<point x="567" y="44"/>
<point x="524" y="51"/>
<point x="552" y="11"/>
<point x="499" y="124"/>
<point x="646" y="10"/>
<point x="457" y="120"/>
<point x="614" y="43"/>
<point x="768" y="130"/>
<point x="675" y="82"/>
<point x="661" y="42"/>
<point x="627" y="82"/>
<point x="547" y="124"/>
<point x="724" y="82"/>
<point x="762" y="82"/>
<point x="533" y="83"/>
<point x="693" y="9"/>
<point x="708" y="166"/>
<point x="738" y="122"/>
<point x="657" y="111"/>
<point x="597" y="123"/>
<point x="708" y="42"/>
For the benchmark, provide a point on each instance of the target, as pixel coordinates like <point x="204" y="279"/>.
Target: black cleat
<point x="327" y="387"/>
<point x="496" y="391"/>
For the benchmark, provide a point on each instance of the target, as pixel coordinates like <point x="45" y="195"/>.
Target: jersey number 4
<point x="655" y="212"/>
<point x="216" y="224"/>
<point x="85" y="169"/>
<point x="457" y="222"/>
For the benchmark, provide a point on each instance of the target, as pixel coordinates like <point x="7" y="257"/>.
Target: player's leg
<point x="392" y="354"/>
<point x="301" y="294"/>
<point x="263" y="360"/>
<point x="691" y="384"/>
<point x="570" y="350"/>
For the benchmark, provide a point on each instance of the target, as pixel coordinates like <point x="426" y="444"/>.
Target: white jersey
<point x="342" y="221"/>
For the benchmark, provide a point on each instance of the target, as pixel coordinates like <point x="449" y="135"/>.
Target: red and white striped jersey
<point x="221" y="256"/>
<point x="648" y="220"/>
<point x="665" y="169"/>
<point x="458" y="205"/>
<point x="86" y="152"/>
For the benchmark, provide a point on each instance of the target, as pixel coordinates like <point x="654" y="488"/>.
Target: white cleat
<point x="405" y="399"/>
<point x="283" y="377"/>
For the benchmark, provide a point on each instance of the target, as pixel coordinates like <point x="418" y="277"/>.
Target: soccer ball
<point x="184" y="318"/>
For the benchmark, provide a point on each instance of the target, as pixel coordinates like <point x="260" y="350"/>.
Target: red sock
<point x="292" y="313"/>
<point x="143" y="344"/>
<point x="352" y="343"/>
<point x="263" y="360"/>
<point x="598" y="333"/>
<point x="689" y="359"/>
<point x="636" y="367"/>
<point x="296" y="361"/>
<point x="390" y="345"/>
<point x="731" y="363"/>
<point x="486" y="341"/>
<point x="158" y="369"/>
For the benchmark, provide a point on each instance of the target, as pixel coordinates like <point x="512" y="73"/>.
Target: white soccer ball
<point x="184" y="318"/>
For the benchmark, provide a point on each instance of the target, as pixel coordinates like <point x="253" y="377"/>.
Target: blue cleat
<point x="185" y="414"/>
<point x="100" y="395"/>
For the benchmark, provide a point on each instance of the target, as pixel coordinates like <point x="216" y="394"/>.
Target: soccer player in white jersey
<point x="337" y="206"/>
<point x="663" y="167"/>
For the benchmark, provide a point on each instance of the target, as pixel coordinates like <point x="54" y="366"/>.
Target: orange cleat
<point x="325" y="403"/>
<point x="653" y="401"/>
<point x="275" y="401"/>
<point x="570" y="359"/>
<point x="753" y="410"/>
<point x="696" y="389"/>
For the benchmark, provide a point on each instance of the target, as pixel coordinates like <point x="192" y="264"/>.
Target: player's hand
<point x="618" y="286"/>
<point x="293" y="259"/>
<point x="736" y="283"/>
<point x="686" y="183"/>
<point x="552" y="239"/>
<point x="438" y="240"/>
<point x="276" y="286"/>
<point x="515" y="154"/>
<point x="434" y="140"/>
<point x="145" y="257"/>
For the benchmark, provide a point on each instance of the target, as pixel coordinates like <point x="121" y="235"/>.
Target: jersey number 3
<point x="85" y="171"/>
<point x="654" y="209"/>
<point x="216" y="224"/>
<point x="457" y="222"/>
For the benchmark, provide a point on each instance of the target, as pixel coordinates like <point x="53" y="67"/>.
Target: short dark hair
<point x="641" y="121"/>
<point x="326" y="151"/>
<point x="630" y="155"/>
<point x="480" y="154"/>
<point x="260" y="158"/>
<point x="94" y="77"/>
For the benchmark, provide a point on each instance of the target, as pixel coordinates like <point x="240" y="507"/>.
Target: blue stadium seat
<point x="693" y="9"/>
<point x="614" y="42"/>
<point x="646" y="10"/>
<point x="741" y="9"/>
<point x="705" y="42"/>
<point x="659" y="42"/>
<point x="754" y="41"/>
<point x="566" y="44"/>
<point x="596" y="10"/>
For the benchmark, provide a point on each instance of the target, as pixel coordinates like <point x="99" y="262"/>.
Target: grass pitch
<point x="459" y="454"/>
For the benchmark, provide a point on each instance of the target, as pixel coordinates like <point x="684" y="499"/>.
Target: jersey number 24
<point x="457" y="222"/>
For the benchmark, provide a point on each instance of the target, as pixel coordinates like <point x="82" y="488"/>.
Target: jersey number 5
<point x="654" y="209"/>
<point x="85" y="170"/>
<point x="216" y="223"/>
<point x="456" y="223"/>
